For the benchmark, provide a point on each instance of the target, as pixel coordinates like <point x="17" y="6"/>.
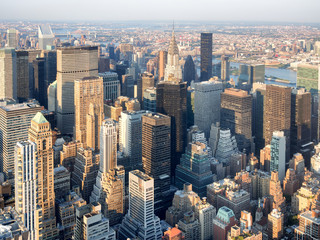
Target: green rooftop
<point x="39" y="118"/>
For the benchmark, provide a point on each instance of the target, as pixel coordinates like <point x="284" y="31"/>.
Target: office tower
<point x="226" y="146"/>
<point x="277" y="113"/>
<point x="50" y="57"/>
<point x="156" y="157"/>
<point x="189" y="226"/>
<point x="173" y="71"/>
<point x="130" y="136"/>
<point x="12" y="40"/>
<point x="189" y="71"/>
<point x="194" y="168"/>
<point x="260" y="182"/>
<point x="237" y="162"/>
<point x="207" y="104"/>
<point x="290" y="183"/>
<point x="225" y="68"/>
<point x="8" y="73"/>
<point x="88" y="103"/>
<point x="66" y="213"/>
<point x="140" y="220"/>
<point x="300" y="134"/>
<point x="52" y="97"/>
<point x="146" y="80"/>
<point x="259" y="92"/>
<point x="236" y="114"/>
<point x="309" y="225"/>
<point x="190" y="106"/>
<point x="85" y="172"/>
<point x="108" y="190"/>
<point x="222" y="223"/>
<point x="61" y="181"/>
<point x="40" y="133"/>
<point x="277" y="199"/>
<point x="216" y="70"/>
<point x="275" y="224"/>
<point x="22" y="76"/>
<point x="72" y="63"/>
<point x="278" y="154"/>
<point x="205" y="212"/>
<point x="39" y="87"/>
<point x="14" y="123"/>
<point x="103" y="64"/>
<point x="206" y="56"/>
<point x="315" y="160"/>
<point x="150" y="99"/>
<point x="46" y="36"/>
<point x="26" y="184"/>
<point x="184" y="201"/>
<point x="111" y="85"/>
<point x="250" y="74"/>
<point x="297" y="163"/>
<point x="111" y="52"/>
<point x="11" y="226"/>
<point x="91" y="224"/>
<point x="163" y="56"/>
<point x="173" y="234"/>
<point x="121" y="69"/>
<point x="127" y="86"/>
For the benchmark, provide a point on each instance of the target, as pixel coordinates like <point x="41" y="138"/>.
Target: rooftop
<point x="39" y="118"/>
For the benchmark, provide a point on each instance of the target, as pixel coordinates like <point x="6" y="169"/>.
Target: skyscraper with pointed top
<point x="172" y="101"/>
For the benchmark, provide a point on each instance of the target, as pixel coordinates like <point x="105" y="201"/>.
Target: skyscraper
<point x="12" y="38"/>
<point x="275" y="224"/>
<point x="206" y="56"/>
<point x="111" y="85"/>
<point x="207" y="104"/>
<point x="127" y="86"/>
<point x="189" y="71"/>
<point x="150" y="99"/>
<point x="140" y="220"/>
<point x="163" y="55"/>
<point x="8" y="73"/>
<point x="250" y="74"/>
<point x="276" y="194"/>
<point x="26" y="185"/>
<point x="40" y="88"/>
<point x="236" y="113"/>
<point x="109" y="187"/>
<point x="277" y="113"/>
<point x="14" y="123"/>
<point x="156" y="157"/>
<point x="225" y="68"/>
<point x="278" y="154"/>
<point x="46" y="36"/>
<point x="41" y="134"/>
<point x="22" y="76"/>
<point x="72" y="63"/>
<point x="88" y="101"/>
<point x="146" y="81"/>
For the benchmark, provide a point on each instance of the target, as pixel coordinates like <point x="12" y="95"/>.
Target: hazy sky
<point x="192" y="10"/>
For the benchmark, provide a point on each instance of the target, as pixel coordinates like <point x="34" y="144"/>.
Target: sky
<point x="297" y="11"/>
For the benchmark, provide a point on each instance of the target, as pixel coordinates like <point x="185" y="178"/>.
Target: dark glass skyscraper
<point x="40" y="90"/>
<point x="189" y="72"/>
<point x="206" y="56"/>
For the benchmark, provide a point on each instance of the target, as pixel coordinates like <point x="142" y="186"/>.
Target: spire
<point x="173" y="47"/>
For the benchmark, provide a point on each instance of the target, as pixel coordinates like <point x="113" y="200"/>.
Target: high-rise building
<point x="207" y="104"/>
<point x="300" y="134"/>
<point x="46" y="36"/>
<point x="72" y="63"/>
<point x="127" y="86"/>
<point x="205" y="213"/>
<point x="12" y="40"/>
<point x="91" y="224"/>
<point x="140" y="220"/>
<point x="275" y="224"/>
<point x="259" y="92"/>
<point x="250" y="74"/>
<point x="145" y="81"/>
<point x="111" y="85"/>
<point x="41" y="134"/>
<point x="150" y="99"/>
<point x="225" y="146"/>
<point x="277" y="199"/>
<point x="130" y="136"/>
<point x="222" y="223"/>
<point x="189" y="226"/>
<point x="194" y="168"/>
<point x="109" y="187"/>
<point x="189" y="71"/>
<point x="22" y="76"/>
<point x="236" y="114"/>
<point x="163" y="56"/>
<point x="8" y="73"/>
<point x="61" y="181"/>
<point x="50" y="57"/>
<point x="26" y="184"/>
<point x="206" y="56"/>
<point x="156" y="156"/>
<point x="14" y="123"/>
<point x="277" y="113"/>
<point x="225" y="68"/>
<point x="39" y="87"/>
<point x="278" y="154"/>
<point x="309" y="225"/>
<point x="290" y="183"/>
<point x="88" y="102"/>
